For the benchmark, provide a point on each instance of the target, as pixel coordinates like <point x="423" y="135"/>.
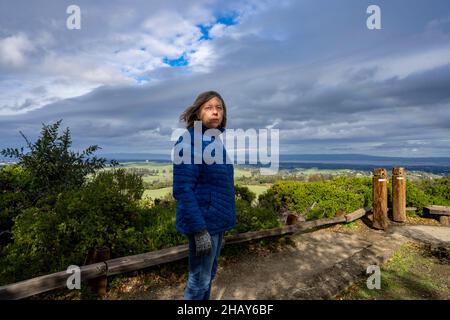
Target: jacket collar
<point x="204" y="128"/>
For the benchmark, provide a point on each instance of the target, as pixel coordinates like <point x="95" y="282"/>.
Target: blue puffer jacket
<point x="204" y="192"/>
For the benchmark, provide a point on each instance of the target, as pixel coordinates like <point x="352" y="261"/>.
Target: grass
<point x="164" y="170"/>
<point x="354" y="225"/>
<point x="257" y="189"/>
<point x="239" y="173"/>
<point x="156" y="193"/>
<point x="413" y="272"/>
<point x="160" y="193"/>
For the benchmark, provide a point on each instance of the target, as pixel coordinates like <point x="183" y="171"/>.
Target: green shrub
<point x="349" y="193"/>
<point x="329" y="196"/>
<point x="358" y="185"/>
<point x="13" y="198"/>
<point x="438" y="189"/>
<point x="416" y="197"/>
<point x="159" y="226"/>
<point x="253" y="219"/>
<point x="103" y="212"/>
<point x="425" y="192"/>
<point x="244" y="193"/>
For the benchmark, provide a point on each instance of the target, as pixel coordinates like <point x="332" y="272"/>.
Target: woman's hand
<point x="203" y="244"/>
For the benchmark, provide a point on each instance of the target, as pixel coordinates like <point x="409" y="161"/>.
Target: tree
<point x="51" y="166"/>
<point x="13" y="182"/>
<point x="244" y="193"/>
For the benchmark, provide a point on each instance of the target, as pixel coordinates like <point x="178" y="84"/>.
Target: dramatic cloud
<point x="13" y="50"/>
<point x="309" y="68"/>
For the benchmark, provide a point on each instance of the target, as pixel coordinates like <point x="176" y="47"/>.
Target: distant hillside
<point x="362" y="158"/>
<point x="323" y="158"/>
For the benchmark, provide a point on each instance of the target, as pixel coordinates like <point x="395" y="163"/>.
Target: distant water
<point x="435" y="169"/>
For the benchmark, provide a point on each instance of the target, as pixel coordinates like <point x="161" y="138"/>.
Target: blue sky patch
<point x="205" y="32"/>
<point x="228" y="20"/>
<point x="180" y="62"/>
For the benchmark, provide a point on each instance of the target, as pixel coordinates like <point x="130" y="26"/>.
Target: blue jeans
<point x="202" y="270"/>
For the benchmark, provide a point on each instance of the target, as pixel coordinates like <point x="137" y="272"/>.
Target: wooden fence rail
<point x="30" y="287"/>
<point x="443" y="212"/>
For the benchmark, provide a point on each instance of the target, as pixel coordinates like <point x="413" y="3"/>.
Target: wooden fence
<point x="30" y="287"/>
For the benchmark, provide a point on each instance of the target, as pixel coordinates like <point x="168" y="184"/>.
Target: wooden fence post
<point x="398" y="194"/>
<point x="98" y="285"/>
<point x="380" y="209"/>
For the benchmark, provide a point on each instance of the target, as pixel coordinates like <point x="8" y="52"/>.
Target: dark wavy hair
<point x="192" y="113"/>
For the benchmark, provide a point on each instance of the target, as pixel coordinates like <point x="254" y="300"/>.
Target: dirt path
<point x="318" y="266"/>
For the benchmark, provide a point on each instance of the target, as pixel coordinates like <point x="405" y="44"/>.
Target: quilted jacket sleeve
<point x="185" y="177"/>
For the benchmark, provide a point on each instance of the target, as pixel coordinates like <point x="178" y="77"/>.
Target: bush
<point x="438" y="189"/>
<point x="159" y="226"/>
<point x="250" y="218"/>
<point x="349" y="193"/>
<point x="425" y="192"/>
<point x="416" y="197"/>
<point x="13" y="185"/>
<point x="357" y="185"/>
<point x="103" y="212"/>
<point x="329" y="196"/>
<point x="244" y="193"/>
<point x="253" y="219"/>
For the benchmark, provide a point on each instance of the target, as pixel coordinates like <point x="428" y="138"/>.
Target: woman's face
<point x="211" y="113"/>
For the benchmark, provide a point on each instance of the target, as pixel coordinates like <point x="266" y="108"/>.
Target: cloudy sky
<point x="310" y="68"/>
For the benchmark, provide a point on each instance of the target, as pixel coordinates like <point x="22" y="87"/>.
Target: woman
<point x="205" y="195"/>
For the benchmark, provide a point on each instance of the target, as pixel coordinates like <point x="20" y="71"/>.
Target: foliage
<point x="159" y="226"/>
<point x="244" y="193"/>
<point x="328" y="196"/>
<point x="253" y="219"/>
<point x="51" y="166"/>
<point x="424" y="192"/>
<point x="13" y="182"/>
<point x="348" y="193"/>
<point x="102" y="212"/>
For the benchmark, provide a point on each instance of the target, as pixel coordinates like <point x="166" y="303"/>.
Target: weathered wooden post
<point x="398" y="194"/>
<point x="380" y="208"/>
<point x="98" y="285"/>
